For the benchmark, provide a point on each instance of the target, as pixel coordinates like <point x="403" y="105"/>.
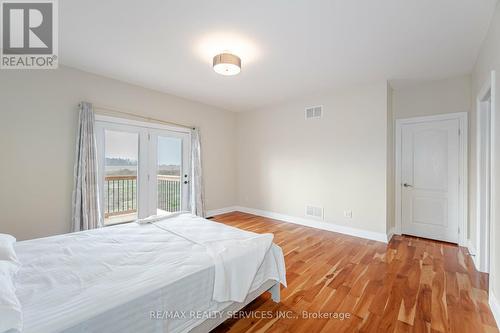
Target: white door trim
<point x="482" y="256"/>
<point x="462" y="118"/>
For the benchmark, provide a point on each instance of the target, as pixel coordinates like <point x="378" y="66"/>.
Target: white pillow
<point x="10" y="308"/>
<point x="7" y="248"/>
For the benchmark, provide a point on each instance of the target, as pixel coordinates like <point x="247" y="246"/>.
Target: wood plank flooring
<point x="408" y="285"/>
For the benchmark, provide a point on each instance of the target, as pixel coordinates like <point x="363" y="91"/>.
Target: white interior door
<point x="430" y="164"/>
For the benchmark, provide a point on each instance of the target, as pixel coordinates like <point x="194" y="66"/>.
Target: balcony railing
<point x="120" y="194"/>
<point x="169" y="193"/>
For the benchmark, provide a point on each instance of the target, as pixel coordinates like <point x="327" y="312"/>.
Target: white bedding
<point x="236" y="255"/>
<point x="69" y="281"/>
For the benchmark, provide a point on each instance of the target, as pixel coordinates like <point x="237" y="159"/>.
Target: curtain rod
<point x="149" y="119"/>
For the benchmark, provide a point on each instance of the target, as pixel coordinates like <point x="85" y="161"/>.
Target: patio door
<point x="143" y="170"/>
<point x="169" y="171"/>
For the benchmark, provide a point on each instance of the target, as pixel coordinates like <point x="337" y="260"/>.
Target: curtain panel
<point x="197" y="203"/>
<point x="86" y="212"/>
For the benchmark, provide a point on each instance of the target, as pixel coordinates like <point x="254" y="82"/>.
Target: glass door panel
<point x="121" y="157"/>
<point x="170" y="172"/>
<point x="169" y="163"/>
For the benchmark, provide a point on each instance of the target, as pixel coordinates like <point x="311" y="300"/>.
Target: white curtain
<point x="197" y="203"/>
<point x="86" y="210"/>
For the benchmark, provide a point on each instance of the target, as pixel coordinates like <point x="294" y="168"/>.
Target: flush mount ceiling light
<point x="227" y="64"/>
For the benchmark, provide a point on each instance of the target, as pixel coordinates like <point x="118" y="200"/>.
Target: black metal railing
<point x="169" y="193"/>
<point x="120" y="194"/>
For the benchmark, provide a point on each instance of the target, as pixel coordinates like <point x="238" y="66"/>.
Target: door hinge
<point x="149" y="137"/>
<point x="459" y="132"/>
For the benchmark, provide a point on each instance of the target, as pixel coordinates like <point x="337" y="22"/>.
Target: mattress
<point x="125" y="278"/>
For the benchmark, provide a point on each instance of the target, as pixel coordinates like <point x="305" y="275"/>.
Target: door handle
<point x="407" y="185"/>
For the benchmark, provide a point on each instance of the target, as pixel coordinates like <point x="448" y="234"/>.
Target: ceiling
<point x="288" y="48"/>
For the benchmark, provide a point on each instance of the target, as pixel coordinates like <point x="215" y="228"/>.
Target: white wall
<point x="432" y="97"/>
<point x="337" y="162"/>
<point x="488" y="60"/>
<point x="38" y="118"/>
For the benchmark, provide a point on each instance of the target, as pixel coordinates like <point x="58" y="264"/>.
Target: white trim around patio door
<point x="148" y="134"/>
<point x="463" y="180"/>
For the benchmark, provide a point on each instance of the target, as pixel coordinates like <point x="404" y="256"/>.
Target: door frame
<point x="462" y="117"/>
<point x="482" y="257"/>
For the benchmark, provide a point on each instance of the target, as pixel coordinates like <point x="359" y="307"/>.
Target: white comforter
<point x="237" y="255"/>
<point x="78" y="276"/>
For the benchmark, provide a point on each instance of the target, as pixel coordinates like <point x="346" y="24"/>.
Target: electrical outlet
<point x="348" y="214"/>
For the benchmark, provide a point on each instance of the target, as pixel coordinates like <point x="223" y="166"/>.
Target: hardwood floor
<point x="408" y="285"/>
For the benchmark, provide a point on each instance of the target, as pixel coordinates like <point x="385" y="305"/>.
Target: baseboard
<point x="220" y="211"/>
<point x="391" y="233"/>
<point x="495" y="307"/>
<point x="473" y="254"/>
<point x="372" y="235"/>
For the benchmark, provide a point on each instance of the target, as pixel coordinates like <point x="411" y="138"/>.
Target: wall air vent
<point x="314" y="112"/>
<point x="315" y="212"/>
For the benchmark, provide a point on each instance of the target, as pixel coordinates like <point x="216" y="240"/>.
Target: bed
<point x="179" y="274"/>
